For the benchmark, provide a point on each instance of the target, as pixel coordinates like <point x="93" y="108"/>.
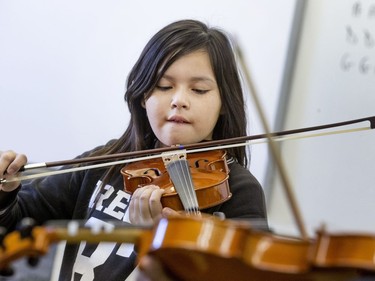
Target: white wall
<point x="63" y="65"/>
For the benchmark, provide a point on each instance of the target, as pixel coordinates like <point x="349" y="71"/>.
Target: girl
<point x="184" y="89"/>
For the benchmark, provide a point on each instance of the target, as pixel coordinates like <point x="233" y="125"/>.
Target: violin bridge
<point x="172" y="156"/>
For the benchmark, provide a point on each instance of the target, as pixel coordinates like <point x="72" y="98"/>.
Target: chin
<point x="173" y="142"/>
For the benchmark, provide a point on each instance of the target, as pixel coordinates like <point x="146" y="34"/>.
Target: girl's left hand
<point x="145" y="207"/>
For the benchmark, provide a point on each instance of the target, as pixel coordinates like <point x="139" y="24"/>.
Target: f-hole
<point x="153" y="172"/>
<point x="197" y="162"/>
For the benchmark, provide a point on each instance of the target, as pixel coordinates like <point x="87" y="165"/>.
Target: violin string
<point x="189" y="186"/>
<point x="171" y="168"/>
<point x="183" y="173"/>
<point x="179" y="176"/>
<point x="119" y="162"/>
<point x="179" y="172"/>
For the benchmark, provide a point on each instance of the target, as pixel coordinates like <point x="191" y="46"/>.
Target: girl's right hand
<point x="10" y="163"/>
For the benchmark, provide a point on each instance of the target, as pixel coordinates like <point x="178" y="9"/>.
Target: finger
<point x="144" y="204"/>
<point x="168" y="212"/>
<point x="152" y="269"/>
<point x="6" y="158"/>
<point x="11" y="162"/>
<point x="17" y="164"/>
<point x="155" y="203"/>
<point x="133" y="206"/>
<point x="140" y="209"/>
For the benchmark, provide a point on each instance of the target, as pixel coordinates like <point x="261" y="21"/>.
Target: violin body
<point x="209" y="249"/>
<point x="345" y="250"/>
<point x="209" y="172"/>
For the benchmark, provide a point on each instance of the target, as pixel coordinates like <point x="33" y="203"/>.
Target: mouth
<point x="178" y="119"/>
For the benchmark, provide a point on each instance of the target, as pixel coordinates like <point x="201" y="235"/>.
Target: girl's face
<point x="186" y="104"/>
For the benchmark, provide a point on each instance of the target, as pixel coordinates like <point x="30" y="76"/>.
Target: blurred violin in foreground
<point x="210" y="249"/>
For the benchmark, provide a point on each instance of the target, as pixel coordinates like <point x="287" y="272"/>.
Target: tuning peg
<point x="25" y="228"/>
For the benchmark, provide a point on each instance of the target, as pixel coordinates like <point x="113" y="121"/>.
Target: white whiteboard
<point x="333" y="80"/>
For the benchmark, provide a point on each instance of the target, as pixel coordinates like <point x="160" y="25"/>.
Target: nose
<point x="180" y="99"/>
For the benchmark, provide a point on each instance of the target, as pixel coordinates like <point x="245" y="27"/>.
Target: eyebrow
<point x="194" y="78"/>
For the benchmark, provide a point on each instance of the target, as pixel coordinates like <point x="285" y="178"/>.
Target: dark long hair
<point x="165" y="47"/>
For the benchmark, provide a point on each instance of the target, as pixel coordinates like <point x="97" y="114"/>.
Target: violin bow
<point x="272" y="145"/>
<point x="127" y="157"/>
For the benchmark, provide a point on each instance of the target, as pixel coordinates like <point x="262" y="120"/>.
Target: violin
<point x="200" y="248"/>
<point x="201" y="176"/>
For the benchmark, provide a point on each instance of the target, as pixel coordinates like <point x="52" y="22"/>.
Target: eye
<point x="163" y="88"/>
<point x="200" y="91"/>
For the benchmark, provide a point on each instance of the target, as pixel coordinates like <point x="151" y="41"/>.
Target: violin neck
<point x="120" y="235"/>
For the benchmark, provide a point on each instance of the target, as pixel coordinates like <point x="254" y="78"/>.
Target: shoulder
<point x="242" y="177"/>
<point x="247" y="200"/>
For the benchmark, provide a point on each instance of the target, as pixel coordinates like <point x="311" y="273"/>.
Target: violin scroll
<point x="23" y="242"/>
